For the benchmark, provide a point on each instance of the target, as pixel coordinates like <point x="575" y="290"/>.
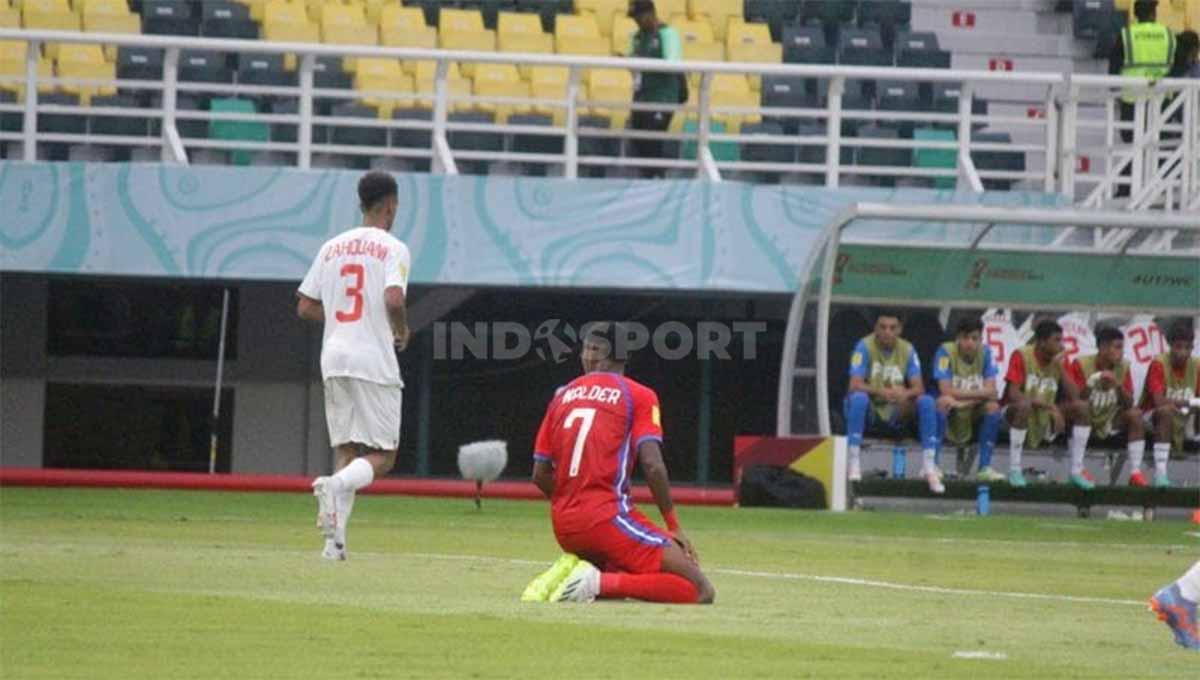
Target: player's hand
<point x="1107" y="380"/>
<point x="1060" y="424"/>
<point x="688" y="548"/>
<point x="400" y="338"/>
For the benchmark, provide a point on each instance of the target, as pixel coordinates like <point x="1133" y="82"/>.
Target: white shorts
<point x="363" y="412"/>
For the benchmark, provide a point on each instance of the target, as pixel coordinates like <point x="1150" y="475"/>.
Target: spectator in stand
<point x="1187" y="56"/>
<point x="654" y="40"/>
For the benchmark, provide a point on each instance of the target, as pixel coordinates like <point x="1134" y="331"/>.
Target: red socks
<point x="660" y="587"/>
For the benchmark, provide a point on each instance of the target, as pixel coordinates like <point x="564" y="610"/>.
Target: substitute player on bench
<point x="360" y="277"/>
<point x="1036" y="414"/>
<point x="1106" y="386"/>
<point x="967" y="399"/>
<point x="887" y="393"/>
<point x="593" y="431"/>
<point x="1172" y="380"/>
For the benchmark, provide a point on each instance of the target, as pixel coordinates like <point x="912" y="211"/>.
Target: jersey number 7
<point x="588" y="416"/>
<point x="353" y="292"/>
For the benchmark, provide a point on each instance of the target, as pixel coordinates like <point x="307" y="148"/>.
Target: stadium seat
<point x="546" y="10"/>
<point x="766" y="152"/>
<point x="285" y="21"/>
<point x="522" y="33"/>
<point x="699" y="43"/>
<point x="716" y="12"/>
<point x="381" y="75"/>
<point x="353" y="135"/>
<point x="124" y="126"/>
<point x="549" y="82"/>
<point x="128" y="24"/>
<point x="12" y="63"/>
<point x="1172" y="14"/>
<point x="622" y="35"/>
<point x="603" y="11"/>
<point x="168" y="17"/>
<point x="1090" y="17"/>
<point x="139" y="63"/>
<point x="85" y="61"/>
<point x="1011" y="161"/>
<point x="204" y="66"/>
<point x="721" y="151"/>
<point x="329" y="73"/>
<point x="875" y="156"/>
<point x="792" y="92"/>
<point x="889" y="16"/>
<point x="806" y="45"/>
<point x="456" y="85"/>
<point x="405" y="27"/>
<point x="671" y="11"/>
<point x="610" y="85"/>
<point x="227" y="20"/>
<point x="346" y="25"/>
<point x="462" y="29"/>
<point x="731" y="89"/>
<point x="264" y="69"/>
<point x="237" y="130"/>
<point x="862" y="47"/>
<point x="592" y="145"/>
<point x="774" y="13"/>
<point x="411" y="138"/>
<point x="751" y="43"/>
<point x="920" y="50"/>
<point x="461" y="140"/>
<point x="49" y="15"/>
<point x="898" y="96"/>
<point x="936" y="158"/>
<point x="500" y="80"/>
<point x="579" y="35"/>
<point x="828" y="12"/>
<point x="10" y="17"/>
<point x="1193" y="14"/>
<point x="535" y="143"/>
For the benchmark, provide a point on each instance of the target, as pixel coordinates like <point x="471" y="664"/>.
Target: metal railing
<point x="820" y="143"/>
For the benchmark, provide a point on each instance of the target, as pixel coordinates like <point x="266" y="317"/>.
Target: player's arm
<point x="1014" y="379"/>
<point x="543" y="476"/>
<point x="395" y="292"/>
<point x="309" y="309"/>
<point x="859" y="365"/>
<point x="1156" y="386"/>
<point x="916" y="382"/>
<point x="543" y="458"/>
<point x="1070" y="387"/>
<point x="654" y="469"/>
<point x="1125" y="394"/>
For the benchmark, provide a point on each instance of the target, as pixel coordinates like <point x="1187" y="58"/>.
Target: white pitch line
<point x="841" y="580"/>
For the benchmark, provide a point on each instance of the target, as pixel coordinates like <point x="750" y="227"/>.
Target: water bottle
<point x="899" y="461"/>
<point x="983" y="500"/>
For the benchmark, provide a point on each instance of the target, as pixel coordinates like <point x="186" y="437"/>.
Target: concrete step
<point x="1008" y="5"/>
<point x="1000" y="61"/>
<point x="980" y="42"/>
<point x="994" y="17"/>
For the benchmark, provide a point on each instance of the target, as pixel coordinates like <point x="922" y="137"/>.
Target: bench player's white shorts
<point x="363" y="412"/>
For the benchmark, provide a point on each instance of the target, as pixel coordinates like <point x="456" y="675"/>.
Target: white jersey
<point x="348" y="277"/>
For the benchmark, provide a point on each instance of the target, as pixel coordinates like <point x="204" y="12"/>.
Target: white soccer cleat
<point x="855" y="471"/>
<point x="326" y="507"/>
<point x="581" y="585"/>
<point x="335" y="552"/>
<point x="934" y="479"/>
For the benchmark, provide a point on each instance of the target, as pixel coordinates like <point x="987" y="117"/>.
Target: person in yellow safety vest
<point x="1145" y="50"/>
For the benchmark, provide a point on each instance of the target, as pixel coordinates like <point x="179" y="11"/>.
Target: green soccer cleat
<point x="1082" y="482"/>
<point x="1161" y="482"/>
<point x="1016" y="479"/>
<point x="539" y="589"/>
<point x="581" y="585"/>
<point x="988" y="474"/>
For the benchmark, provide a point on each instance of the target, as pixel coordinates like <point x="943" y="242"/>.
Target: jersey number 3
<point x="588" y="416"/>
<point x="354" y="292"/>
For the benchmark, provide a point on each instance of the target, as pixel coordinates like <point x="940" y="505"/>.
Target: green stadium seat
<point x="936" y="158"/>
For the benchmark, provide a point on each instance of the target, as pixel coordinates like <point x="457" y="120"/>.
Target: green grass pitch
<point x="163" y="584"/>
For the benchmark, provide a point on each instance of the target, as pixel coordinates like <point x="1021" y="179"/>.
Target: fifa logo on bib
<point x="1036" y="385"/>
<point x="1100" y="400"/>
<point x="889" y="373"/>
<point x="971" y="382"/>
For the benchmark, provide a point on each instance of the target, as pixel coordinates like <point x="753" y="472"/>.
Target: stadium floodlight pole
<point x="216" y="412"/>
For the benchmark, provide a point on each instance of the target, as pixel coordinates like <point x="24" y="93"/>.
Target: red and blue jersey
<point x="590" y="435"/>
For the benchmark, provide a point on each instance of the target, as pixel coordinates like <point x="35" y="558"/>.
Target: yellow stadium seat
<point x="751" y="43"/>
<point x="671" y="11"/>
<point x="610" y="85"/>
<point x="694" y="31"/>
<point x="1123" y="5"/>
<point x="258" y="9"/>
<point x="379" y="75"/>
<point x="731" y="89"/>
<point x="1193" y="15"/>
<point x="622" y="35"/>
<point x="742" y="33"/>
<point x="603" y="11"/>
<point x="462" y="29"/>
<point x="374" y="9"/>
<point x="85" y="8"/>
<point x="9" y="17"/>
<point x="579" y="35"/>
<point x="112" y="23"/>
<point x="423" y="75"/>
<point x="405" y="27"/>
<point x="549" y="82"/>
<point x="49" y="15"/>
<point x="346" y="25"/>
<point x="285" y="21"/>
<point x="522" y="32"/>
<point x="717" y="12"/>
<point x="500" y="80"/>
<point x="1173" y="15"/>
<point x="700" y="51"/>
<point x="16" y="67"/>
<point x="43" y="6"/>
<point x="85" y="61"/>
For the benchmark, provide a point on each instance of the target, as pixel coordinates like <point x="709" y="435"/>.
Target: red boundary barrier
<point x="448" y="488"/>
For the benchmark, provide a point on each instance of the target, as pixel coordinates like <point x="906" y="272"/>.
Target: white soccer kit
<point x="358" y="362"/>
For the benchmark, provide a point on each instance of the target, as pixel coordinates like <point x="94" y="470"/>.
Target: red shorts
<point x="628" y="543"/>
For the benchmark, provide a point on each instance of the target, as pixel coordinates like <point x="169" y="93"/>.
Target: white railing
<point x="1047" y="142"/>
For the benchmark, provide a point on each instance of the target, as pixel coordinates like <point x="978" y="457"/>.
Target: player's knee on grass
<point x="676" y="561"/>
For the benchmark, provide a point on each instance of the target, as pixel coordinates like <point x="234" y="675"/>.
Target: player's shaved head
<point x="605" y="346"/>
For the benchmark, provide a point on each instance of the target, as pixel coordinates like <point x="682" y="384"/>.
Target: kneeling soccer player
<point x="593" y="431"/>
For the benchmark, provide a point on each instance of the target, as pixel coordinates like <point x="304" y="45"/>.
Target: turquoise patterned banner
<point x="147" y="219"/>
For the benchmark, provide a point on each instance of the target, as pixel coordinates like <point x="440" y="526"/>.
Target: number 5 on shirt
<point x="353" y="292"/>
<point x="587" y="415"/>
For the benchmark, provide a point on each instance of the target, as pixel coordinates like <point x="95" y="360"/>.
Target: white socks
<point x="855" y="456"/>
<point x="358" y="474"/>
<point x="345" y="505"/>
<point x="1016" y="446"/>
<point x="930" y="461"/>
<point x="1078" y="445"/>
<point x="1137" y="451"/>
<point x="1162" y="452"/>
<point x="1189" y="583"/>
